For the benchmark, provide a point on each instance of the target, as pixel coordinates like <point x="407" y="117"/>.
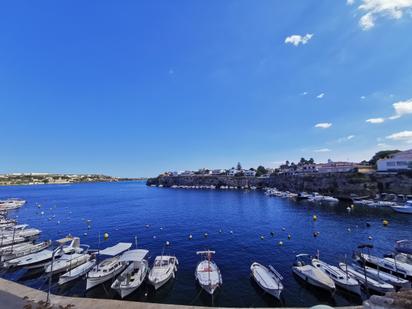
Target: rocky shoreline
<point x="341" y="185"/>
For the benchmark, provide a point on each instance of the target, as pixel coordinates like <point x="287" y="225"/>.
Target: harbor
<point x="270" y="236"/>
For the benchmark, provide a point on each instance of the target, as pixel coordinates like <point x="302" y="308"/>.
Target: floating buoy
<point x="272" y="234"/>
<point x="262" y="237"/>
<point x="147" y="225"/>
<point x="370" y="237"/>
<point x="167" y="243"/>
<point x="42" y="213"/>
<point x="385" y="222"/>
<point x="280" y="243"/>
<point x="89" y="227"/>
<point x="161" y="229"/>
<point x="190" y="236"/>
<point x="289" y="236"/>
<point x="316" y="234"/>
<point x="154" y="237"/>
<point x="315" y="217"/>
<point x="349" y="230"/>
<point x="231" y="232"/>
<point x="283" y="229"/>
<point x="348" y="208"/>
<point x="58" y="221"/>
<point x="220" y="231"/>
<point x="85" y="234"/>
<point x="205" y="234"/>
<point x="368" y="224"/>
<point x="106" y="236"/>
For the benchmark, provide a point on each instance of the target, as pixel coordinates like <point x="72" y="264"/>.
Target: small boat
<point x="41" y="258"/>
<point x="404" y="246"/>
<point x="341" y="278"/>
<point x="10" y="248"/>
<point x="391" y="279"/>
<point x="388" y="264"/>
<point x="24" y="249"/>
<point x="132" y="277"/>
<point x="359" y="274"/>
<point x="207" y="273"/>
<point x="21" y="230"/>
<point x="69" y="260"/>
<point x="312" y="275"/>
<point x="405" y="209"/>
<point x="108" y="268"/>
<point x="6" y="241"/>
<point x="303" y="196"/>
<point x="330" y="199"/>
<point x="268" y="279"/>
<point x="77" y="272"/>
<point x="164" y="268"/>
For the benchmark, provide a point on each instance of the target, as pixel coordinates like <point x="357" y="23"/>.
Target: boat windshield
<point x="161" y="263"/>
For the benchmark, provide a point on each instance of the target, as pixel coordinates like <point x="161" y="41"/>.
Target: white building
<point x="249" y="173"/>
<point x="307" y="168"/>
<point x="218" y="172"/>
<point x="336" y="167"/>
<point x="396" y="162"/>
<point x="186" y="173"/>
<point x="232" y="172"/>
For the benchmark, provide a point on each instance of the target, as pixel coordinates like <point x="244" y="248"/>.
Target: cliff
<point x="336" y="184"/>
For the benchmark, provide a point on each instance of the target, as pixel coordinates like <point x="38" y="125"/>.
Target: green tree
<point x="239" y="166"/>
<point x="380" y="155"/>
<point x="261" y="170"/>
<point x="311" y="161"/>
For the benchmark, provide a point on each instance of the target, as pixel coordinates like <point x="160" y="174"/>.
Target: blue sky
<point x="133" y="88"/>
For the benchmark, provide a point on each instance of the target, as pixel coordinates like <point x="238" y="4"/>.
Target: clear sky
<point x="134" y="88"/>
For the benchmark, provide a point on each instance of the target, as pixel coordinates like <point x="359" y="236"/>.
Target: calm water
<point x="123" y="210"/>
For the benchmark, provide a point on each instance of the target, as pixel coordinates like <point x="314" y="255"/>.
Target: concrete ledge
<point x="17" y="296"/>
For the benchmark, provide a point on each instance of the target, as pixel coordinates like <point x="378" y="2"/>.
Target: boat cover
<point x="136" y="255"/>
<point x="117" y="249"/>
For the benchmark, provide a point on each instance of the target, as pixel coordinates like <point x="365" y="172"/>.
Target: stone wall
<point x="336" y="184"/>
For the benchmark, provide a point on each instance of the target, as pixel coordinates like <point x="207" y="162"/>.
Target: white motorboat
<point x="77" y="272"/>
<point x="388" y="264"/>
<point x="69" y="260"/>
<point x="10" y="248"/>
<point x="404" y="246"/>
<point x="315" y="197"/>
<point x="384" y="276"/>
<point x="312" y="275"/>
<point x="134" y="274"/>
<point x="207" y="273"/>
<point x="405" y="209"/>
<point x="164" y="268"/>
<point x="330" y="199"/>
<point x="268" y="279"/>
<point x="359" y="274"/>
<point x="10" y="240"/>
<point x="11" y="203"/>
<point x="41" y="258"/>
<point x="23" y="250"/>
<point x="108" y="268"/>
<point x="341" y="278"/>
<point x="21" y="230"/>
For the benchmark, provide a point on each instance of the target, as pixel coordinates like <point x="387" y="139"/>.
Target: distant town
<point x="383" y="161"/>
<point x="47" y="178"/>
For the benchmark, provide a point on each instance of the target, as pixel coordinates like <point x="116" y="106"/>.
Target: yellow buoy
<point x="315" y="218"/>
<point x="106" y="236"/>
<point x="385" y="222"/>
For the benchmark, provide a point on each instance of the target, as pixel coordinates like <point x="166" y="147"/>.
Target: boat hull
<point x="310" y="281"/>
<point x="94" y="281"/>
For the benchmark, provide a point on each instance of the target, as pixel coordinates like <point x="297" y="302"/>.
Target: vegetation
<point x="239" y="166"/>
<point x="261" y="170"/>
<point x="381" y="155"/>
